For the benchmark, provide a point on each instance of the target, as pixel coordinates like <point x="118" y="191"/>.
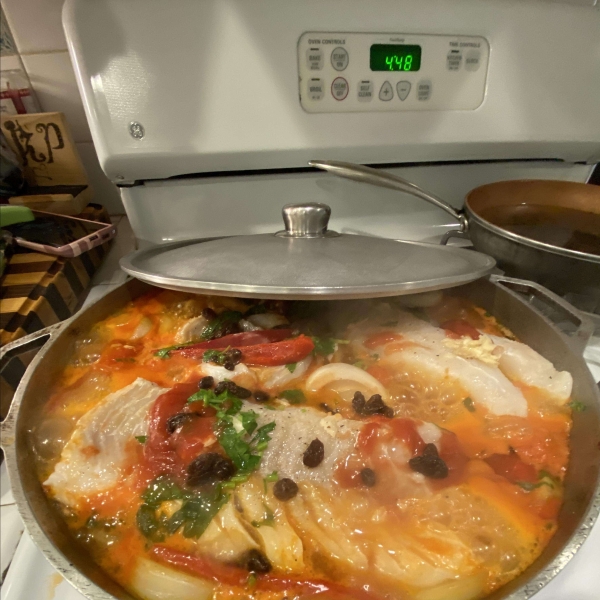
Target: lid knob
<point x="308" y="220"/>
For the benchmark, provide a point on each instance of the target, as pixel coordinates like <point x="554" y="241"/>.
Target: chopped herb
<point x="221" y="325"/>
<point x="577" y="406"/>
<point x="214" y="356"/>
<point x="528" y="486"/>
<point x="323" y="346"/>
<point x="375" y="356"/>
<point x="141" y="438"/>
<point x="338" y="341"/>
<point x="249" y="421"/>
<point x="270" y="478"/>
<point x="166" y="352"/>
<point x="252" y="580"/>
<point x="293" y="396"/>
<point x="469" y="405"/>
<point x="268" y="521"/>
<point x="196" y="512"/>
<point x="361" y="364"/>
<point x="291" y="367"/>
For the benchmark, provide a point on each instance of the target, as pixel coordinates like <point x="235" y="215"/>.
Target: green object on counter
<point x="9" y="215"/>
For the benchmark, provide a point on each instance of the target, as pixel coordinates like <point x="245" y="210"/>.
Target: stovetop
<point x="27" y="575"/>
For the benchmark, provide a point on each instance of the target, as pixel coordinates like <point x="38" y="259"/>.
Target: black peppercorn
<point x="368" y="477"/>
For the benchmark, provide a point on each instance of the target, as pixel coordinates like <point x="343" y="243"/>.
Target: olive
<point x="368" y="477"/>
<point x="429" y="463"/>
<point x="285" y="489"/>
<point x="206" y="382"/>
<point x="209" y="467"/>
<point x="314" y="454"/>
<point x="255" y="561"/>
<point x="261" y="396"/>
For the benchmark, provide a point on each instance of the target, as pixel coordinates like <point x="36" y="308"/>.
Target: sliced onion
<point x="344" y="378"/>
<point x="152" y="581"/>
<point x="144" y="327"/>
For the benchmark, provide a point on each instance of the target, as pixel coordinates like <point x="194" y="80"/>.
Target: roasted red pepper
<point x="278" y="353"/>
<point x="234" y="340"/>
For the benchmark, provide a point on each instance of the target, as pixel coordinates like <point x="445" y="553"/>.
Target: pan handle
<point x="33" y="341"/>
<point x="579" y="329"/>
<point x="384" y="179"/>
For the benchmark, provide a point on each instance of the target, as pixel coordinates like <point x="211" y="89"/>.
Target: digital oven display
<point x="395" y="57"/>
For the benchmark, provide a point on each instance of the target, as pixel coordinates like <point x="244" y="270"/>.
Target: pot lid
<point x="306" y="261"/>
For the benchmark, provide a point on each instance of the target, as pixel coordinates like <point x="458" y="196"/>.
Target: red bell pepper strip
<point x="278" y="353"/>
<point x="460" y="328"/>
<point x="208" y="568"/>
<point x="512" y="467"/>
<point x="234" y="340"/>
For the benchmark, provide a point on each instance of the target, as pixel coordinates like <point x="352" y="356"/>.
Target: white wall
<point x="41" y="50"/>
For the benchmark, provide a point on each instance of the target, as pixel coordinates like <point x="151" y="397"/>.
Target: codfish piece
<point x="93" y="458"/>
<point x="295" y="429"/>
<point x="486" y="385"/>
<point x="522" y="363"/>
<point x="267" y="522"/>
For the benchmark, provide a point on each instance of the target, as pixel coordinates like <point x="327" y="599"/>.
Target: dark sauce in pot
<point x="564" y="227"/>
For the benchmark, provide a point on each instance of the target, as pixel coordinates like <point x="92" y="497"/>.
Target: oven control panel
<point x="364" y="72"/>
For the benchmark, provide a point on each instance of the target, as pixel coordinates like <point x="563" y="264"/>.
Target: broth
<point x="560" y="226"/>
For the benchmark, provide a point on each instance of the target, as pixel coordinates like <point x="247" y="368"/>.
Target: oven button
<point x="365" y="91"/>
<point x="339" y="88"/>
<point x="403" y="89"/>
<point x="424" y="90"/>
<point x="454" y="60"/>
<point x="339" y="59"/>
<point x="314" y="59"/>
<point x="472" y="60"/>
<point x="386" y="92"/>
<point x="316" y="89"/>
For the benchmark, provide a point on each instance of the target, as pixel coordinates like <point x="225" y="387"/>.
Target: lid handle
<point x="307" y="220"/>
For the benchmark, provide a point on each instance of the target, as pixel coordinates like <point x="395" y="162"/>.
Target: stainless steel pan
<point x="559" y="269"/>
<point x="497" y="295"/>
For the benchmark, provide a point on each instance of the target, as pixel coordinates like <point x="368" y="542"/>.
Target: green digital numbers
<point x="399" y="63"/>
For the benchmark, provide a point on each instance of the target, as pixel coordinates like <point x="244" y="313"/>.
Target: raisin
<point x="233" y="389"/>
<point x="206" y="382"/>
<point x="328" y="408"/>
<point x="358" y="403"/>
<point x="285" y="489"/>
<point x="254" y="560"/>
<point x="176" y="421"/>
<point x="368" y="477"/>
<point x="314" y="454"/>
<point x="429" y="463"/>
<point x="375" y="405"/>
<point x="261" y="396"/>
<point x="209" y="467"/>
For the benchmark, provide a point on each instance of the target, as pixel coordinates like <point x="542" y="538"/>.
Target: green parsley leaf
<point x="166" y="352"/>
<point x="361" y="364"/>
<point x="252" y="580"/>
<point x="269" y="479"/>
<point x="216" y="327"/>
<point x="268" y="521"/>
<point x="293" y="396"/>
<point x="141" y="438"/>
<point x="249" y="421"/>
<point x="577" y="406"/>
<point x="469" y="405"/>
<point x="528" y="486"/>
<point x="323" y="346"/>
<point x="214" y="356"/>
<point x="162" y="489"/>
<point x="291" y="367"/>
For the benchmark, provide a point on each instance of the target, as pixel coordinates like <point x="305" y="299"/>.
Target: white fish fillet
<point x="486" y="385"/>
<point x="522" y="363"/>
<point x="92" y="459"/>
<point x="296" y="428"/>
